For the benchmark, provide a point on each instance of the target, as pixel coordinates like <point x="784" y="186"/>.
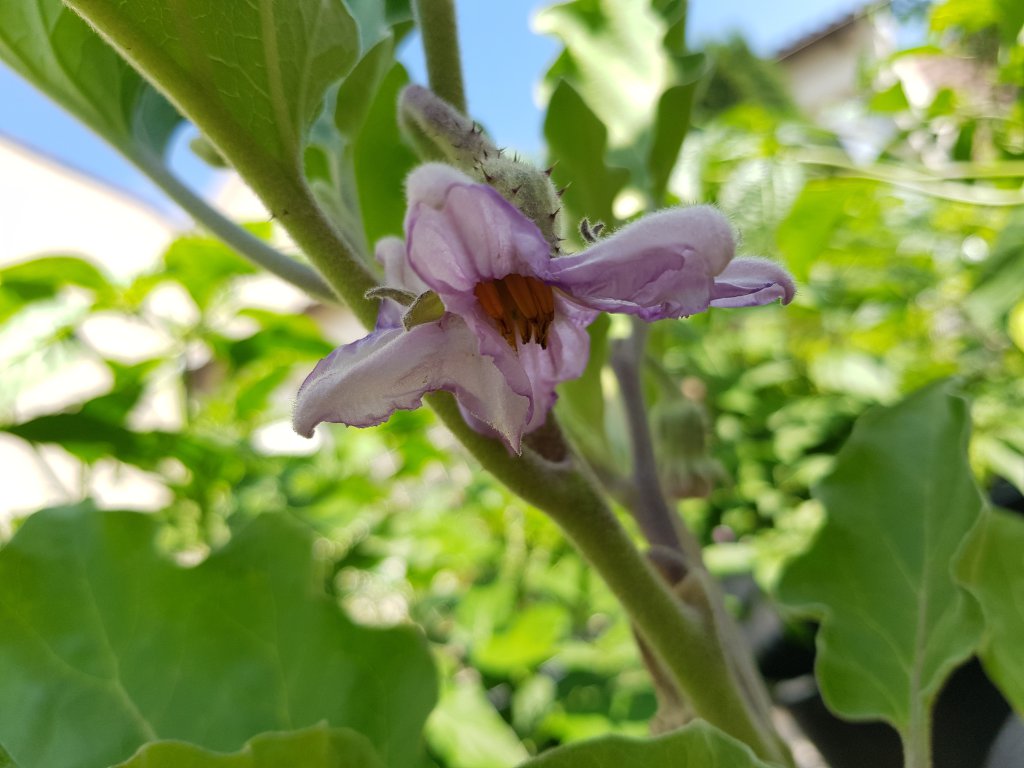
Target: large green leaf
<point x="58" y="53"/>
<point x="251" y="75"/>
<point x="672" y="121"/>
<point x="900" y="502"/>
<point x="107" y="645"/>
<point x="44" y="277"/>
<point x="993" y="569"/>
<point x="578" y="140"/>
<point x="698" y="745"/>
<point x="317" y="747"/>
<point x="613" y="57"/>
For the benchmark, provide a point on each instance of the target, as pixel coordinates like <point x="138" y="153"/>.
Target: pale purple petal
<point x="475" y="237"/>
<point x="429" y="184"/>
<point x="362" y="384"/>
<point x="390" y="252"/>
<point x="752" y="282"/>
<point x="660" y="266"/>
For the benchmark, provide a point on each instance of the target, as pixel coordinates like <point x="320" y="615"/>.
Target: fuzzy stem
<point x="438" y="28"/>
<point x="672" y="630"/>
<point x="249" y="246"/>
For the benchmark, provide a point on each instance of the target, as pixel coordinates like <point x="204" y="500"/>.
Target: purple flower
<point x="515" y="319"/>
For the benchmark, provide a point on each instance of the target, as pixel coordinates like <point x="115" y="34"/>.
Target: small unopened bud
<point x="454" y="136"/>
<point x="680" y="434"/>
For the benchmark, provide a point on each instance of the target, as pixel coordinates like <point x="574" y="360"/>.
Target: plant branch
<point x="439" y="30"/>
<point x="248" y="245"/>
<point x="648" y="506"/>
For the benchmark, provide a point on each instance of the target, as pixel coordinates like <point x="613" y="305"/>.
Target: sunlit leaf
<point x="204" y="266"/>
<point x="613" y="58"/>
<point x="993" y="569"/>
<point x="899" y="502"/>
<point x="578" y="141"/>
<point x="809" y="228"/>
<point x="672" y="121"/>
<point x="316" y="747"/>
<point x="44" y="277"/>
<point x="382" y="160"/>
<point x="107" y="645"/>
<point x="697" y="745"/>
<point x="467" y="732"/>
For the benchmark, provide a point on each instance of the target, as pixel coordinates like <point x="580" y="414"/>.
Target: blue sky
<point x="503" y="60"/>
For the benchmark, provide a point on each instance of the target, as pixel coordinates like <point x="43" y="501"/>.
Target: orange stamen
<point x="519" y="304"/>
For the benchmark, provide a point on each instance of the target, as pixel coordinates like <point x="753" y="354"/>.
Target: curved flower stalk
<point x="514" y="319"/>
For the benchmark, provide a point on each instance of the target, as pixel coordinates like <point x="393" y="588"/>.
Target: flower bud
<point x="453" y="136"/>
<point x="680" y="436"/>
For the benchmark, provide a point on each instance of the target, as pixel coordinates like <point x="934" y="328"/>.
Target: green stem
<point x="248" y="245"/>
<point x="438" y="28"/>
<point x="917" y="738"/>
<point x="674" y="631"/>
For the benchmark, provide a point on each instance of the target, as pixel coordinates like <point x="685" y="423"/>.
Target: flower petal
<point x="475" y="237"/>
<point x="390" y="252"/>
<point x="660" y="266"/>
<point x="752" y="282"/>
<point x="429" y="183"/>
<point x="363" y="383"/>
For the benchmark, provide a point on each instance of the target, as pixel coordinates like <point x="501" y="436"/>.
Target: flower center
<point x="521" y="307"/>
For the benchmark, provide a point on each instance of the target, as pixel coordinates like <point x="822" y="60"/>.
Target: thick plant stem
<point x="252" y="248"/>
<point x="437" y="24"/>
<point x="674" y="631"/>
<point x="917" y="738"/>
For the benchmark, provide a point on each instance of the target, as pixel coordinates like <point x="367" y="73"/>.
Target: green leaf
<point x="204" y="266"/>
<point x="900" y="502"/>
<point x="467" y="732"/>
<point x="532" y="638"/>
<point x="698" y="745"/>
<point x="43" y="278"/>
<point x="671" y="123"/>
<point x="811" y="223"/>
<point x="993" y="569"/>
<point x="578" y="140"/>
<point x="107" y="645"/>
<point x="57" y="52"/>
<point x="261" y="85"/>
<point x="613" y="59"/>
<point x="316" y="747"/>
<point x="997" y="290"/>
<point x="382" y="160"/>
